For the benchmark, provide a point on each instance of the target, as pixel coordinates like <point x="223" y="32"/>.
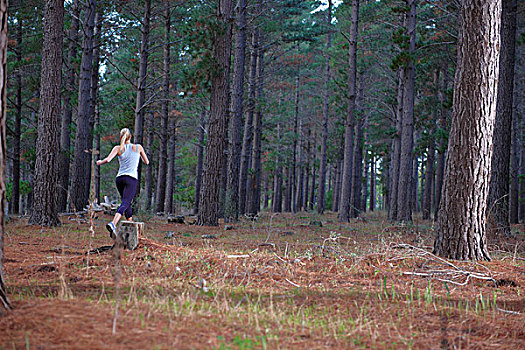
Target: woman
<point x="129" y="156"/>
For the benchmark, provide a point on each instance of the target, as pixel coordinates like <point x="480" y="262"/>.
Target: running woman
<point x="129" y="156"/>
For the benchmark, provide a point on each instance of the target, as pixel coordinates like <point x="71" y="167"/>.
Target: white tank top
<point x="129" y="162"/>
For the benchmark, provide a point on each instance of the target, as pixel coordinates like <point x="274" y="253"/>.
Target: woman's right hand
<point x="100" y="162"/>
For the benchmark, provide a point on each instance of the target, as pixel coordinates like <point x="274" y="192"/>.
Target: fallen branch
<point x="292" y="283"/>
<point x="456" y="272"/>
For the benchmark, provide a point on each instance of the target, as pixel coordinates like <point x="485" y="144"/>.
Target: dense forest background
<point x="328" y="105"/>
<point x="323" y="174"/>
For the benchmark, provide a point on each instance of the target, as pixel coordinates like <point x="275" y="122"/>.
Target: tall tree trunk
<point x="67" y="115"/>
<point x="168" y="205"/>
<point x="200" y="161"/>
<point x="141" y="84"/>
<point x="307" y="169"/>
<point x="15" y="197"/>
<point x="4" y="300"/>
<point x="344" y="210"/>
<point x="372" y="204"/>
<point x="218" y="121"/>
<point x="81" y="162"/>
<point x="266" y="198"/>
<point x="324" y="137"/>
<point x="93" y="106"/>
<point x="337" y="184"/>
<point x="278" y="183"/>
<point x="255" y="191"/>
<point x="514" y="169"/>
<point x="330" y="170"/>
<point x="429" y="179"/>
<point x="224" y="171"/>
<point x="521" y="209"/>
<point x="364" y="195"/>
<point x="293" y="183"/>
<point x="44" y="211"/>
<point x="312" y="188"/>
<point x="231" y="212"/>
<point x="462" y="216"/>
<point x="404" y="210"/>
<point x="287" y="191"/>
<point x="396" y="148"/>
<point x="442" y="125"/>
<point x="97" y="155"/>
<point x="357" y="170"/>
<point x="160" y="195"/>
<point x="148" y="182"/>
<point x="247" y="137"/>
<point x="414" y="184"/>
<point x="298" y="200"/>
<point x="499" y="182"/>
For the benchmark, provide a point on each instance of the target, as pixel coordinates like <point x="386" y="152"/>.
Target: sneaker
<point x="112" y="230"/>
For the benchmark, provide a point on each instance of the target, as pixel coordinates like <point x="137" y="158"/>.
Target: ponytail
<point x="125" y="135"/>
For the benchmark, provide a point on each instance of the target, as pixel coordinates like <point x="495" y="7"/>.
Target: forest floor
<point x="284" y="281"/>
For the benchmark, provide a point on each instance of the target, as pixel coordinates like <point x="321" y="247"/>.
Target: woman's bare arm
<point x="143" y="155"/>
<point x="111" y="155"/>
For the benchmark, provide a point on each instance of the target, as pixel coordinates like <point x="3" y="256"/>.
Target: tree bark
<point x="168" y="205"/>
<point x="364" y="195"/>
<point x="67" y="115"/>
<point x="344" y="210"/>
<point x="160" y="195"/>
<point x="294" y="175"/>
<point x="200" y="161"/>
<point x="15" y="198"/>
<point x="442" y="125"/>
<point x="404" y="210"/>
<point x="462" y="217"/>
<point x="93" y="133"/>
<point x="255" y="191"/>
<point x="278" y="178"/>
<point x="218" y="121"/>
<point x="141" y="84"/>
<point x="312" y="203"/>
<point x="414" y="183"/>
<point x="396" y="148"/>
<point x="521" y="162"/>
<point x="298" y="200"/>
<point x="337" y="184"/>
<point x="247" y="137"/>
<point x="148" y="182"/>
<point x="4" y="300"/>
<point x="97" y="155"/>
<point x="357" y="170"/>
<point x="429" y="179"/>
<point x="372" y="204"/>
<point x="45" y="211"/>
<point x="231" y="212"/>
<point x="287" y="191"/>
<point x="324" y="137"/>
<point x="266" y="197"/>
<point x="499" y="182"/>
<point x="81" y="175"/>
<point x="514" y="170"/>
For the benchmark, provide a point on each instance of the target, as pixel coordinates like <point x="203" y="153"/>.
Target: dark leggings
<point x="127" y="186"/>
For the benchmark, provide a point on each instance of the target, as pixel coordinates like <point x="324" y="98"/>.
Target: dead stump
<point x="129" y="232"/>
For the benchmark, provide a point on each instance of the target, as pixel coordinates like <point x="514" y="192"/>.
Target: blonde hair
<point x="125" y="135"/>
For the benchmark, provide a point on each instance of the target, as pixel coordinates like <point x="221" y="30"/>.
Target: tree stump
<point x="129" y="232"/>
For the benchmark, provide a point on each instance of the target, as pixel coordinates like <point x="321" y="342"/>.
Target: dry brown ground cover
<point x="280" y="282"/>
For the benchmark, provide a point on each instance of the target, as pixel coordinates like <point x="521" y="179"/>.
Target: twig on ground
<point x="292" y="283"/>
<point x="454" y="273"/>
